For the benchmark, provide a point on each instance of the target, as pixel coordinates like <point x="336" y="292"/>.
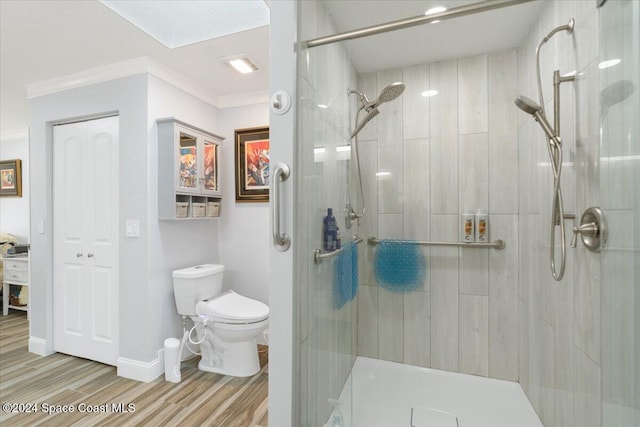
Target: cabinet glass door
<point x="188" y="170"/>
<point x="210" y="168"/>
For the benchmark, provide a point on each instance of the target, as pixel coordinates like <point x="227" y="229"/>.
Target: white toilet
<point x="232" y="322"/>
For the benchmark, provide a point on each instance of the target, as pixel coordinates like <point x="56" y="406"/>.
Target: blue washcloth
<point x="399" y="265"/>
<point x="346" y="275"/>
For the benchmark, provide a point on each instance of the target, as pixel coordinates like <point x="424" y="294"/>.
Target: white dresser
<point x="15" y="271"/>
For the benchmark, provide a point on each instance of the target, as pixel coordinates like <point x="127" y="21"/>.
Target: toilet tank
<point x="194" y="284"/>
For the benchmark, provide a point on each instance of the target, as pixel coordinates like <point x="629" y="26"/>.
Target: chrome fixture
<point x="496" y="244"/>
<point x="370" y="115"/>
<point x="411" y="22"/>
<point x="592" y="230"/>
<point x="281" y="241"/>
<point x="389" y="93"/>
<point x="318" y="255"/>
<point x="554" y="147"/>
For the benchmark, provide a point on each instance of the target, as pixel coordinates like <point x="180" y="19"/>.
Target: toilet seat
<point x="231" y="307"/>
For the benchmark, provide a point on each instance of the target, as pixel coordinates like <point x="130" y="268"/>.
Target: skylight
<point x="180" y="23"/>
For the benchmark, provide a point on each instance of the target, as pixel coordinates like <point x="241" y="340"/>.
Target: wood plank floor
<point x="200" y="399"/>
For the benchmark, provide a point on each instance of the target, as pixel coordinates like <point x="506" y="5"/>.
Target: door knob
<point x="89" y="255"/>
<point x="79" y="254"/>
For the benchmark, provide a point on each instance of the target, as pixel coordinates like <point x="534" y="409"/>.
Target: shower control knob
<point x="592" y="230"/>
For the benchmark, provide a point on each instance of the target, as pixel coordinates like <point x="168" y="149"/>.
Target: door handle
<point x="89" y="255"/>
<point x="79" y="255"/>
<point x="281" y="241"/>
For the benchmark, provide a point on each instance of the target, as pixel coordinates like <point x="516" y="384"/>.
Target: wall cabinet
<point x="188" y="171"/>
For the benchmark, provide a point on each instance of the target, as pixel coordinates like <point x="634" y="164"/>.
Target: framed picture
<point x="11" y="178"/>
<point x="252" y="165"/>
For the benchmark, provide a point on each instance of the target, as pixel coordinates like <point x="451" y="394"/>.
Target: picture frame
<point x="11" y="178"/>
<point x="252" y="165"/>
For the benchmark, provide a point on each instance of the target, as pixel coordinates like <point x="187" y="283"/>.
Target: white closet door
<point x="85" y="239"/>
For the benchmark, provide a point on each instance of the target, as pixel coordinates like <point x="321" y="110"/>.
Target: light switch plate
<point x="132" y="228"/>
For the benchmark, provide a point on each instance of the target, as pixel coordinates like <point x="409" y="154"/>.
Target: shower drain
<point x="427" y="417"/>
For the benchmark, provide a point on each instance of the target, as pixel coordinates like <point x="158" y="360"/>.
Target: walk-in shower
<point x="389" y="93"/>
<point x="555" y="150"/>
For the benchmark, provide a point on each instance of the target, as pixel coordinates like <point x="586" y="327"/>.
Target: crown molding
<point x="132" y="67"/>
<point x="143" y="65"/>
<point x="244" y="98"/>
<point x="14" y="135"/>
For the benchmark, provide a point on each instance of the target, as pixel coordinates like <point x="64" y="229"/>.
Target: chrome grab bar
<point x="318" y="255"/>
<point x="281" y="242"/>
<point x="497" y="244"/>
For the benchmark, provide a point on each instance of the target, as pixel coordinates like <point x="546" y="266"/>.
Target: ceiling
<point x="491" y="31"/>
<point x="43" y="40"/>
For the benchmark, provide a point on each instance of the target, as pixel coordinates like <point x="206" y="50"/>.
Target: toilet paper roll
<point x="171" y="360"/>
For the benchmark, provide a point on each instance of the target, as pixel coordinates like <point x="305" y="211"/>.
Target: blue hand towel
<point x="346" y="272"/>
<point x="399" y="265"/>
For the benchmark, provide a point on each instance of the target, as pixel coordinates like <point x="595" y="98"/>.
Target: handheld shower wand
<point x="389" y="93"/>
<point x="554" y="147"/>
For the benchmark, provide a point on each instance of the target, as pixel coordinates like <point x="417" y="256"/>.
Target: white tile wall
<point x="438" y="163"/>
<point x="443" y="167"/>
<point x="559" y="326"/>
<point x="474" y="334"/>
<point x="473" y="97"/>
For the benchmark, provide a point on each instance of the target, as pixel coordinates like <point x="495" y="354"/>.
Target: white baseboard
<point x="141" y="371"/>
<point x="39" y="346"/>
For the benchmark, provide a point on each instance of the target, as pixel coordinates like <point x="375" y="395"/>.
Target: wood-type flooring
<point x="200" y="399"/>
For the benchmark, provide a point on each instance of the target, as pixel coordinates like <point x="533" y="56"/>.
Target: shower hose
<point x="557" y="210"/>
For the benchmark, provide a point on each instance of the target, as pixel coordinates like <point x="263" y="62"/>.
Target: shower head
<point x="370" y="115"/>
<point x="387" y="94"/>
<point x="530" y="107"/>
<point x="527" y="105"/>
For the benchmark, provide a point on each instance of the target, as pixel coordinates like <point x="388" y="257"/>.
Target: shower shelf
<point x="496" y="244"/>
<point x="318" y="255"/>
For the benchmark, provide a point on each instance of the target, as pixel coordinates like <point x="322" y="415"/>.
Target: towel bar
<point x="497" y="244"/>
<point x="318" y="255"/>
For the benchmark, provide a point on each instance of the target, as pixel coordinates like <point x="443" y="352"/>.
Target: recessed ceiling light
<point x="323" y="106"/>
<point x="609" y="63"/>
<point x="180" y="23"/>
<point x="243" y="65"/>
<point x="428" y="93"/>
<point x="239" y="63"/>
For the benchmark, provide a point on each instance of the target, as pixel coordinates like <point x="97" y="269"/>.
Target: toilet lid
<point x="232" y="307"/>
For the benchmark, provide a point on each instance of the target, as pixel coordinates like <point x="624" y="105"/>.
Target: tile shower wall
<point x="326" y="336"/>
<point x="559" y="326"/>
<point x="425" y="160"/>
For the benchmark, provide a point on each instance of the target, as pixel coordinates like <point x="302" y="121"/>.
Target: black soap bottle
<point x="329" y="231"/>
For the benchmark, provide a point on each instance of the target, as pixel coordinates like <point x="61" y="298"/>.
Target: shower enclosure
<point x="454" y="141"/>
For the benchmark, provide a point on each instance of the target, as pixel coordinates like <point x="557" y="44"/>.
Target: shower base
<point x="383" y="394"/>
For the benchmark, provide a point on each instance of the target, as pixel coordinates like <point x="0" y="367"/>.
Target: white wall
<point x="128" y="97"/>
<point x="174" y="244"/>
<point x="14" y="211"/>
<point x="244" y="227"/>
<point x="147" y="309"/>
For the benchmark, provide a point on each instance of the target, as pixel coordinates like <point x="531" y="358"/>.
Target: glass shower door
<point x="620" y="195"/>
<point x="326" y="321"/>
